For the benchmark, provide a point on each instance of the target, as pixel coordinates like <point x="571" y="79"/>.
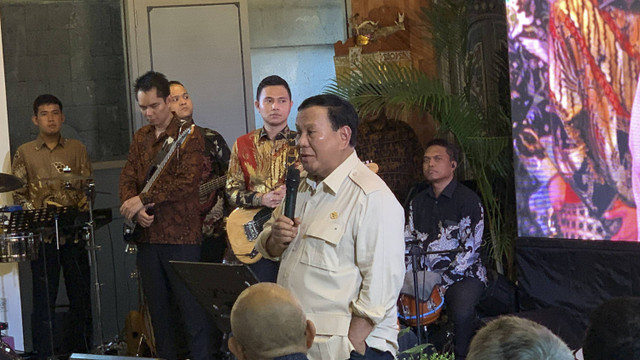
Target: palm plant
<point x="483" y="131"/>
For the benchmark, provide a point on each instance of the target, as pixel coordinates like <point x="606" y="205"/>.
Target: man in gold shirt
<point x="42" y="164"/>
<point x="259" y="159"/>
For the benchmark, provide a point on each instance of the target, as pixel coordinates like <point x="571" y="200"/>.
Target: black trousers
<point x="461" y="300"/>
<point x="159" y="283"/>
<point x="266" y="270"/>
<point x="73" y="260"/>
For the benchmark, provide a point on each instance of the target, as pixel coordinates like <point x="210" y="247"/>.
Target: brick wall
<point x="73" y="50"/>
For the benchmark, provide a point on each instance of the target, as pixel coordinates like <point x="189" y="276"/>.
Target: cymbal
<point x="9" y="182"/>
<point x="67" y="177"/>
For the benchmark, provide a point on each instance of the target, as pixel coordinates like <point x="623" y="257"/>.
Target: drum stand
<point x="93" y="262"/>
<point x="415" y="253"/>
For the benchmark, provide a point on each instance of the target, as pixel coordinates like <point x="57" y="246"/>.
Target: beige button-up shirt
<point x="347" y="259"/>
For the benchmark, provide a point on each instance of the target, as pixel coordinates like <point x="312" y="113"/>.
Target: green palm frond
<point x="483" y="132"/>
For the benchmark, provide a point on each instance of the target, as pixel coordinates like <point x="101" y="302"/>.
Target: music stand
<point x="215" y="286"/>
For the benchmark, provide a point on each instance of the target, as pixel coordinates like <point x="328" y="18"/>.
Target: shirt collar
<point x="279" y="136"/>
<point x="448" y="190"/>
<point x="337" y="176"/>
<point x="171" y="130"/>
<point x="40" y="143"/>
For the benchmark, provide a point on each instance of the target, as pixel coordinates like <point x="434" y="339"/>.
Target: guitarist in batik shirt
<point x="214" y="207"/>
<point x="168" y="212"/>
<point x="259" y="159"/>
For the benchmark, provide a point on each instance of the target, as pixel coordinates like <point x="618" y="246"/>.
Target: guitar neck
<point x="215" y="184"/>
<point x="172" y="150"/>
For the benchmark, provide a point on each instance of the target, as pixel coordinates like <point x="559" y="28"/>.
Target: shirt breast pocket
<point x="321" y="249"/>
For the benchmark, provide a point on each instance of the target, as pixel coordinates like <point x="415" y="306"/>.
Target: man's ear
<point x="236" y="348"/>
<point x="454" y="164"/>
<point x="256" y="104"/>
<point x="310" y="333"/>
<point x="35" y="120"/>
<point x="345" y="135"/>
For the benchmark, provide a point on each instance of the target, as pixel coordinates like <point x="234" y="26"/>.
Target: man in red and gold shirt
<point x="259" y="159"/>
<point x="167" y="212"/>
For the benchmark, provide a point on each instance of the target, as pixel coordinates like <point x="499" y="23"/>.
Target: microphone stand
<point x="415" y="252"/>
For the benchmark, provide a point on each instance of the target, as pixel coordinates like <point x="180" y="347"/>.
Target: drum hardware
<point x="17" y="242"/>
<point x="93" y="261"/>
<point x="416" y="252"/>
<point x="9" y="182"/>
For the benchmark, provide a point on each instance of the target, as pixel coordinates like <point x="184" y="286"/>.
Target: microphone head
<point x="293" y="177"/>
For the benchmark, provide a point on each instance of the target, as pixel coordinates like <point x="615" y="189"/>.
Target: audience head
<point x="273" y="102"/>
<point x="47" y="114"/>
<point x="181" y="103"/>
<point x="514" y="338"/>
<point x="614" y="331"/>
<point x="267" y="321"/>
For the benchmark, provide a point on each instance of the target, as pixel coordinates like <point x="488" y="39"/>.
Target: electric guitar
<point x="244" y="226"/>
<point x="130" y="231"/>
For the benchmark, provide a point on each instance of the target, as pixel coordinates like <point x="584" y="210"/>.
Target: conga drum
<point x="429" y="309"/>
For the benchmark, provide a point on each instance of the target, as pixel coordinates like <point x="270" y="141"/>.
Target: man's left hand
<point x="131" y="207"/>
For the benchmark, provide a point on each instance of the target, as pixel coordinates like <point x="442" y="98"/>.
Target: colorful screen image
<point x="574" y="67"/>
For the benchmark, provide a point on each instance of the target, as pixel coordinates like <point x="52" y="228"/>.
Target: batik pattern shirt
<point x="258" y="165"/>
<point x="175" y="191"/>
<point x="38" y="167"/>
<point x="452" y="221"/>
<point x="215" y="165"/>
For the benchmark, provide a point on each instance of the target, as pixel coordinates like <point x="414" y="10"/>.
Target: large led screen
<point x="574" y="73"/>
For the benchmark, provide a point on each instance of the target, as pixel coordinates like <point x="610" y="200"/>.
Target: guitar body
<point x="243" y="227"/>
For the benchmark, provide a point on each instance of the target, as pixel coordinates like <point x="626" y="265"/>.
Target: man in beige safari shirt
<point x="343" y="254"/>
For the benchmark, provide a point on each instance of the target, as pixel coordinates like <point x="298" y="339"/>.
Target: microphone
<point x="293" y="179"/>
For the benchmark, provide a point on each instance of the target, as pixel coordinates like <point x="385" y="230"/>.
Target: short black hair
<point x="150" y="80"/>
<point x="452" y="150"/>
<point x="341" y="112"/>
<point x="45" y="99"/>
<point x="614" y="330"/>
<point x="272" y="80"/>
<point x="175" y="82"/>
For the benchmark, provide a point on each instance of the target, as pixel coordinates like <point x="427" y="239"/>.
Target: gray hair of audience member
<point x="614" y="331"/>
<point x="514" y="338"/>
<point x="267" y="321"/>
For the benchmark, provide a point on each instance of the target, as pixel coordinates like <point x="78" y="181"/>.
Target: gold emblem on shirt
<point x="333" y="215"/>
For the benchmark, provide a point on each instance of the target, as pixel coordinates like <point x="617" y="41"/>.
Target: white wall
<point x="9" y="280"/>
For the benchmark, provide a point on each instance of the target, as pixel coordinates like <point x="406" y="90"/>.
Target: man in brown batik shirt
<point x="42" y="164"/>
<point x="172" y="230"/>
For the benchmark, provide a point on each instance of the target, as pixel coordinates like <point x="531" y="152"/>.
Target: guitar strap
<point x="160" y="155"/>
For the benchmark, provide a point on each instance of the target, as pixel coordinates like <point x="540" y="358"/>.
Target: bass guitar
<point x="130" y="231"/>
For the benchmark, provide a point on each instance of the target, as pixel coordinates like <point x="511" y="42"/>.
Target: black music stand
<point x="215" y="286"/>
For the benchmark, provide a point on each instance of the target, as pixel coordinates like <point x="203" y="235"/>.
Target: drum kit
<point x="21" y="230"/>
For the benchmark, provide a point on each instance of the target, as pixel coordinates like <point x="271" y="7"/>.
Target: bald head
<point x="267" y="321"/>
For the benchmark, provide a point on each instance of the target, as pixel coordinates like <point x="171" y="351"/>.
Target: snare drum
<point x="17" y="247"/>
<point x="429" y="310"/>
